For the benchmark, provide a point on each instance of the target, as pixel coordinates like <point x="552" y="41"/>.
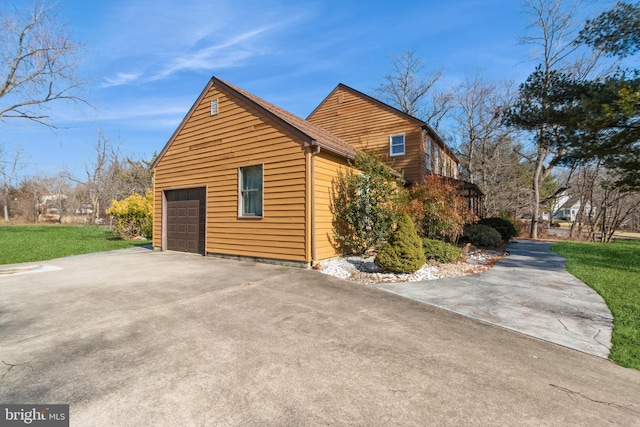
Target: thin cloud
<point x="231" y="52"/>
<point x="120" y="79"/>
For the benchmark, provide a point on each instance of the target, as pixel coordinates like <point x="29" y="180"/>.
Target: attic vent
<point x="214" y="107"/>
<point x="340" y="99"/>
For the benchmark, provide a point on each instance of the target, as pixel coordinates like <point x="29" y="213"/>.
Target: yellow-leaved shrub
<point x="133" y="216"/>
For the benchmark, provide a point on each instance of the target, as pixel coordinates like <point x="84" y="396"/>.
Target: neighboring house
<point x="567" y="207"/>
<point x="241" y="177"/>
<point x="403" y="141"/>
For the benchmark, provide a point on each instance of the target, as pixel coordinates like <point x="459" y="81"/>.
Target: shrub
<point x="505" y="227"/>
<point x="437" y="210"/>
<point x="440" y="251"/>
<point x="403" y="253"/>
<point x="363" y="205"/>
<point x="482" y="236"/>
<point x="133" y="216"/>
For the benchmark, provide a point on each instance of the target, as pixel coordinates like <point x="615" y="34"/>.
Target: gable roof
<point x="310" y="133"/>
<point x="393" y="110"/>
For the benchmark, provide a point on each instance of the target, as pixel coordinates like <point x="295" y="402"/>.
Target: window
<point x="214" y="107"/>
<point x="428" y="156"/>
<point x="436" y="159"/>
<point x="396" y="143"/>
<point x="250" y="197"/>
<point x="443" y="164"/>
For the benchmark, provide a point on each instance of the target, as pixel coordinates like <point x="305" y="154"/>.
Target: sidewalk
<point x="530" y="292"/>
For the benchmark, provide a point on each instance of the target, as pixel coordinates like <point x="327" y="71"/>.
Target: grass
<point x="26" y="243"/>
<point x="612" y="270"/>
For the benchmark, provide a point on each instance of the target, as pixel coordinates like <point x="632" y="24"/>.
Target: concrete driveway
<point x="530" y="292"/>
<point x="150" y="338"/>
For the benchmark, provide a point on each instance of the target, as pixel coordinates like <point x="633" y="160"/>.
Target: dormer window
<point x="396" y="145"/>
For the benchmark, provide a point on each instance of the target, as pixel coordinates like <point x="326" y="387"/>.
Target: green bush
<point x="363" y="204"/>
<point x="505" y="227"/>
<point x="482" y="236"/>
<point x="403" y="253"/>
<point x="440" y="251"/>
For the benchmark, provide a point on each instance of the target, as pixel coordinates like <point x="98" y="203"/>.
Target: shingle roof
<point x="315" y="133"/>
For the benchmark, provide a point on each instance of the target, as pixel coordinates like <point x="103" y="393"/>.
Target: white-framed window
<point x="396" y="145"/>
<point x="214" y="107"/>
<point x="428" y="156"/>
<point x="250" y="195"/>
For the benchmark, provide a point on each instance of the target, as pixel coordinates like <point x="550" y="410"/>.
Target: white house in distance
<point x="568" y="207"/>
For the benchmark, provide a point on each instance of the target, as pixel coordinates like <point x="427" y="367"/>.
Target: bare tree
<point x="97" y="184"/>
<point x="411" y="90"/>
<point x="38" y="62"/>
<point x="8" y="170"/>
<point x="60" y="195"/>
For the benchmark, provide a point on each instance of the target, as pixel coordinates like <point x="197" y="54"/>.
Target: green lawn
<point x="612" y="270"/>
<point x="25" y="243"/>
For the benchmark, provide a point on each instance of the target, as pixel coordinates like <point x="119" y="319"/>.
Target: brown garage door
<point x="182" y="226"/>
<point x="185" y="220"/>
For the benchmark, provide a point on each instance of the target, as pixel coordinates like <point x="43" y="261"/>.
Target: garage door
<point x="183" y="226"/>
<point x="185" y="220"/>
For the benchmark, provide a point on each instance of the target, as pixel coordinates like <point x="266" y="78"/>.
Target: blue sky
<point x="146" y="61"/>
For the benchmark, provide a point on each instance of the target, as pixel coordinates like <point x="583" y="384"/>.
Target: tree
<point x="489" y="155"/>
<point x="38" y="63"/>
<point x="601" y="118"/>
<point x="608" y="110"/>
<point x="411" y="91"/>
<point x="131" y="176"/>
<point x="555" y="33"/>
<point x="615" y="31"/>
<point x="8" y="169"/>
<point x="98" y="183"/>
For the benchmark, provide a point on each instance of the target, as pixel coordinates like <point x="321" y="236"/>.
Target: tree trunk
<point x="535" y="215"/>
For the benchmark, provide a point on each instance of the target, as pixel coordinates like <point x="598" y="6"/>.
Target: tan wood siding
<point x="208" y="151"/>
<point x="366" y="126"/>
<point x="326" y="168"/>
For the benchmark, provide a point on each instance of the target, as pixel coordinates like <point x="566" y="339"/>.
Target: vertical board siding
<point x="208" y="150"/>
<point x="367" y="126"/>
<point x="326" y="169"/>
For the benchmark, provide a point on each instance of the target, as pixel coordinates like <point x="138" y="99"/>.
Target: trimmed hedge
<point x="403" y="253"/>
<point x="440" y="251"/>
<point x="506" y="228"/>
<point x="482" y="236"/>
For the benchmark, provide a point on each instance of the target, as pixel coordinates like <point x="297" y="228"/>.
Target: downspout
<point x="313" y="204"/>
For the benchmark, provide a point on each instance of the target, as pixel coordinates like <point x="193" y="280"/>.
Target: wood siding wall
<point x="367" y="127"/>
<point x="208" y="152"/>
<point x="326" y="169"/>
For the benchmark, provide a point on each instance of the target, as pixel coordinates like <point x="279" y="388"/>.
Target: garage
<point x="185" y="216"/>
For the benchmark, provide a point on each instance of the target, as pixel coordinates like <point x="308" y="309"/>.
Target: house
<point x="403" y="141"/>
<point x="241" y="177"/>
<point x="567" y="207"/>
